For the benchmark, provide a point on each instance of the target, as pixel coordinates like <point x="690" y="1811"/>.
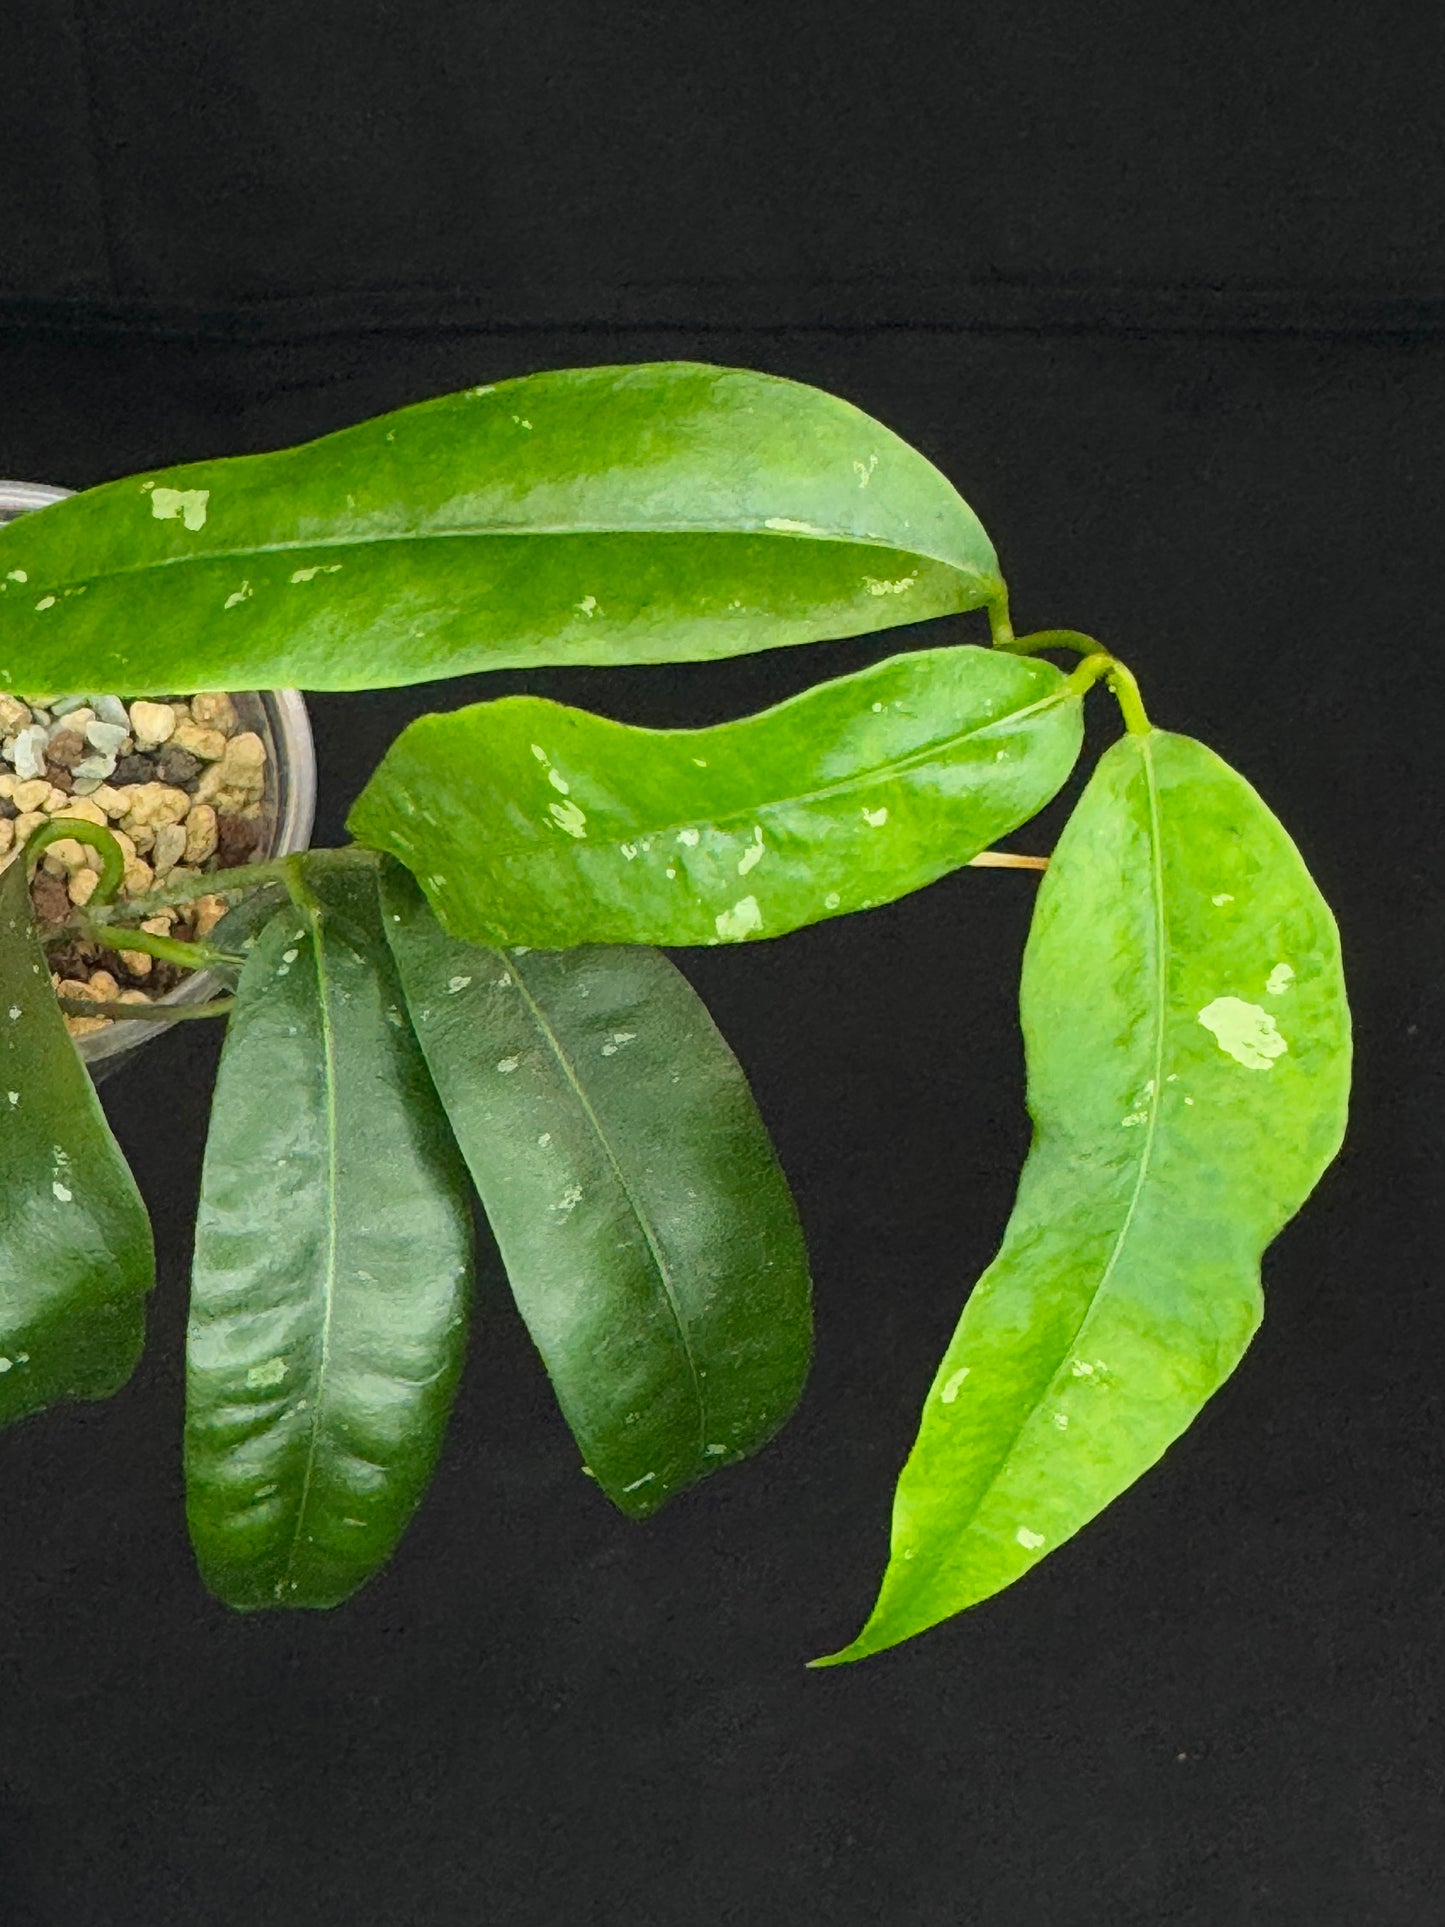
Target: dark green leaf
<point x="657" y="513"/>
<point x="332" y="1268"/>
<point x="75" y="1243"/>
<point x="528" y="822"/>
<point x="1188" y="1057"/>
<point x="640" y="1211"/>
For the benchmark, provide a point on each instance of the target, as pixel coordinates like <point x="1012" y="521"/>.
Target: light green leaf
<point x="332" y="1267"/>
<point x="75" y="1244"/>
<point x="658" y="513"/>
<point x="645" y="1225"/>
<point x="1188" y="1065"/>
<point x="528" y="822"/>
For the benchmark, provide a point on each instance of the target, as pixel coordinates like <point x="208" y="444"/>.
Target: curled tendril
<point x="76" y="828"/>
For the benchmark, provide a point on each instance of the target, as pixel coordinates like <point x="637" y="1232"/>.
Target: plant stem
<point x="62" y="829"/>
<point x="190" y="956"/>
<point x="1000" y="628"/>
<point x="222" y="883"/>
<point x="1074" y="639"/>
<point x="149" y="1013"/>
<point x="1131" y="703"/>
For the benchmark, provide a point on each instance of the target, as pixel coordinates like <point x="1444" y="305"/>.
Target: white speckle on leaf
<point x="540" y="753"/>
<point x="521" y="421"/>
<point x="864" y="470"/>
<point x="877" y="709"/>
<point x="243" y="594"/>
<point x="188" y="505"/>
<point x="271" y="1373"/>
<point x="1248" y="1034"/>
<point x="507" y="1065"/>
<point x="568" y="817"/>
<point x="1189" y="1100"/>
<point x="629" y="850"/>
<point x="877" y="818"/>
<point x="1081" y="1368"/>
<point x="17" y="575"/>
<point x="952" y="1383"/>
<point x="1135" y="1117"/>
<point x="62" y="1192"/>
<point x="46" y="602"/>
<point x="14" y="1096"/>
<point x="832" y="900"/>
<point x="4" y="1364"/>
<point x="317" y="568"/>
<point x="646" y="1479"/>
<point x="670" y="873"/>
<point x="699" y="762"/>
<point x="544" y="1140"/>
<point x="558" y="781"/>
<point x="689" y="838"/>
<point x="569" y="1200"/>
<point x="587" y="606"/>
<point x="1280" y="979"/>
<point x="788" y="527"/>
<point x="1061" y="1419"/>
<point x="753" y="855"/>
<point x="1030" y="1541"/>
<point x="735" y="924"/>
<point x="714" y="1451"/>
<point x="1220" y="900"/>
<point x="875" y="585"/>
<point x="289" y="956"/>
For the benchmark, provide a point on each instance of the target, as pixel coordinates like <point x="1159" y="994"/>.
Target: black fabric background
<point x="1162" y="292"/>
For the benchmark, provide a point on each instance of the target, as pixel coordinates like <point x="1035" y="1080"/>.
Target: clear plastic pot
<point x="279" y="718"/>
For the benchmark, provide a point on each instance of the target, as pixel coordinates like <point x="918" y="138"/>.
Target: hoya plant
<point x="472" y="991"/>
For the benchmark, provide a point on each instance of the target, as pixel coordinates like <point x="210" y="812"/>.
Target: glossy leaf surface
<point x="1188" y="1069"/>
<point x="530" y="822"/>
<point x="646" y="1227"/>
<point x="75" y="1243"/>
<point x="332" y="1267"/>
<point x="664" y="512"/>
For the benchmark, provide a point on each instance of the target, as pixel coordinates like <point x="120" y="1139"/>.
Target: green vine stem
<point x="63" y="829"/>
<point x="153" y="1013"/>
<point x="1074" y="639"/>
<point x="1126" y="694"/>
<point x="226" y="883"/>
<point x="190" y="956"/>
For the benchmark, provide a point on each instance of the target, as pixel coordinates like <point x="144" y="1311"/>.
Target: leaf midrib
<point x="634" y="1205"/>
<point x="303" y="545"/>
<point x="319" y="1377"/>
<point x="897" y="767"/>
<point x="1160" y="960"/>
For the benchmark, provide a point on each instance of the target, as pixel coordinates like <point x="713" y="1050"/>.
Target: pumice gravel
<point x="181" y="784"/>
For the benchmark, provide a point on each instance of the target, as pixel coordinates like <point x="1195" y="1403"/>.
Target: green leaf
<point x="1188" y="1069"/>
<point x="644" y="1222"/>
<point x="529" y="822"/>
<point x="75" y="1243"/>
<point x="658" y="513"/>
<point x="332" y="1267"/>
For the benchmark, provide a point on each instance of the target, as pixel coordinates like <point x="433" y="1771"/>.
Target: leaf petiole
<point x="150" y="1013"/>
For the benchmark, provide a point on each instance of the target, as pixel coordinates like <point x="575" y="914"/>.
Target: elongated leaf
<point x="1188" y="1060"/>
<point x="529" y="822"/>
<point x="75" y="1243"/>
<point x="657" y="513"/>
<point x="332" y="1266"/>
<point x="640" y="1211"/>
